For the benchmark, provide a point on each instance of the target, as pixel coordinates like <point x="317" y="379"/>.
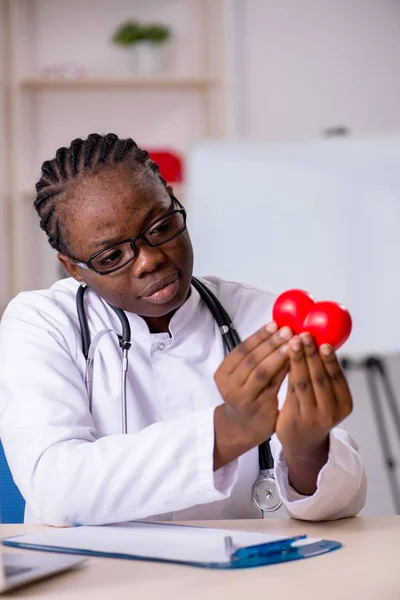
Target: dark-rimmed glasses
<point x="121" y="253"/>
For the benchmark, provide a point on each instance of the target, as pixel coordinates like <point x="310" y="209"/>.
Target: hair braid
<point x="90" y="148"/>
<point x="83" y="157"/>
<point x="75" y="156"/>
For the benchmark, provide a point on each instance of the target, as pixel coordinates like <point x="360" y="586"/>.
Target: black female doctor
<point x="196" y="416"/>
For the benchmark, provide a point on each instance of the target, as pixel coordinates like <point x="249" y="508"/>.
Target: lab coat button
<point x="161" y="346"/>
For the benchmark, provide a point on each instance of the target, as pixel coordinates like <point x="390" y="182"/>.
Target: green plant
<point x="158" y="34"/>
<point x="131" y="32"/>
<point x="128" y="33"/>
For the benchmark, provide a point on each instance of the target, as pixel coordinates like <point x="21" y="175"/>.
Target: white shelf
<point x="43" y="111"/>
<point x="159" y="81"/>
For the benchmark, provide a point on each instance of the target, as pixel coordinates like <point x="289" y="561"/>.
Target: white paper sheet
<point x="157" y="541"/>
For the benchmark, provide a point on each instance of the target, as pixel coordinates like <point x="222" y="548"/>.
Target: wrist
<point x="310" y="451"/>
<point x="234" y="427"/>
<point x="304" y="466"/>
<point x="233" y="436"/>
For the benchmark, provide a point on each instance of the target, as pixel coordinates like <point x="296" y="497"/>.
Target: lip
<point x="159" y="288"/>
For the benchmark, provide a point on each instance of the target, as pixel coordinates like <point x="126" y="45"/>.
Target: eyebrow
<point x="147" y="218"/>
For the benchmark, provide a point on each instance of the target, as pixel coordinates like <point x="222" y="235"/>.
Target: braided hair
<point x="90" y="156"/>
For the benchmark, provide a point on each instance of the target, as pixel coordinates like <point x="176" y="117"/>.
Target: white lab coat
<point x="76" y="467"/>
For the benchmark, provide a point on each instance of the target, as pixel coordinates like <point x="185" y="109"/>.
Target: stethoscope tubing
<point x="229" y="335"/>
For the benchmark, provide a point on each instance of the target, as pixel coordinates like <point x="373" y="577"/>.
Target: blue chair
<point x="12" y="504"/>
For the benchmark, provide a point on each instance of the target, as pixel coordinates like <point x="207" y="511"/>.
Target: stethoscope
<point x="265" y="491"/>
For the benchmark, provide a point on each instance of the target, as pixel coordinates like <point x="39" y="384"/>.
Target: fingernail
<point x="284" y="349"/>
<point x="306" y="338"/>
<point x="326" y="349"/>
<point x="271" y="327"/>
<point x="295" y="344"/>
<point x="285" y="333"/>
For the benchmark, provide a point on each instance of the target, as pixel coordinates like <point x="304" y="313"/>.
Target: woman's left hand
<point x="318" y="399"/>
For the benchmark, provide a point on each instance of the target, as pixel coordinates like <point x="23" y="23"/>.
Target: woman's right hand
<point x="249" y="380"/>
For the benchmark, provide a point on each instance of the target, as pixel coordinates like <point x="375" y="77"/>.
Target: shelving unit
<point x="51" y="83"/>
<point x="171" y="110"/>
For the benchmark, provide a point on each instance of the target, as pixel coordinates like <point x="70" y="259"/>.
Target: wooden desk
<point x="367" y="567"/>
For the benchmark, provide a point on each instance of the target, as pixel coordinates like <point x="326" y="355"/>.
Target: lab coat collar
<point x="182" y="317"/>
<point x="185" y="313"/>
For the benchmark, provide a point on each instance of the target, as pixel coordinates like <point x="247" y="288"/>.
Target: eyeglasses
<point x="118" y="255"/>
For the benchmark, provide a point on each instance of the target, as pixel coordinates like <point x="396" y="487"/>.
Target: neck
<point x="159" y="324"/>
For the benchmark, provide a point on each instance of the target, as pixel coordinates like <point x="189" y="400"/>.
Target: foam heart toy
<point x="327" y="322"/>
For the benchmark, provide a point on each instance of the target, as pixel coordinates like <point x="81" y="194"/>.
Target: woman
<point x="194" y="416"/>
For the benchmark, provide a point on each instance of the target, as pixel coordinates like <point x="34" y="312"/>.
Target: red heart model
<point x="327" y="322"/>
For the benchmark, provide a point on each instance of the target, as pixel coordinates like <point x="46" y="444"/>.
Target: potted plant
<point x="145" y="43"/>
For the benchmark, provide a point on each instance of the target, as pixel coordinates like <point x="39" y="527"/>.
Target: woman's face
<point x="111" y="206"/>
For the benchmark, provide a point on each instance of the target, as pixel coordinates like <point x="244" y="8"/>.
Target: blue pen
<point x="269" y="548"/>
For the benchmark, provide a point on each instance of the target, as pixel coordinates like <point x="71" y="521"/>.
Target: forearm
<point x="166" y="467"/>
<point x="304" y="466"/>
<point x="235" y="435"/>
<point x="230" y="440"/>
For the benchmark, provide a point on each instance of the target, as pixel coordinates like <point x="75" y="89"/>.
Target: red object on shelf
<point x="169" y="163"/>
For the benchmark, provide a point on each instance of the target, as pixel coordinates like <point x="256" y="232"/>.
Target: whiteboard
<point x="322" y="215"/>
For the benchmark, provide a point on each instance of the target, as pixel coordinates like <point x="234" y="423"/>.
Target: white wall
<point x="4" y="275"/>
<point x="315" y="64"/>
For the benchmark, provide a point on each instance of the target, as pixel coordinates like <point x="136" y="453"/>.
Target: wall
<point x="4" y="275"/>
<point x="316" y="64"/>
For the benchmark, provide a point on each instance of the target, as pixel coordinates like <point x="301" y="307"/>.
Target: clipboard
<point x="177" y="544"/>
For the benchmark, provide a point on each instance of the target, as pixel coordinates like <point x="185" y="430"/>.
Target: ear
<point x="70" y="267"/>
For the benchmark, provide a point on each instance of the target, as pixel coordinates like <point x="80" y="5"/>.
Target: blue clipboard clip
<point x="278" y="551"/>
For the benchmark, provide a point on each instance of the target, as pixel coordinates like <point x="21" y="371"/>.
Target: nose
<point x="148" y="259"/>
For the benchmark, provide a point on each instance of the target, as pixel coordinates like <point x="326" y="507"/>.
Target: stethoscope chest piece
<point x="265" y="492"/>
